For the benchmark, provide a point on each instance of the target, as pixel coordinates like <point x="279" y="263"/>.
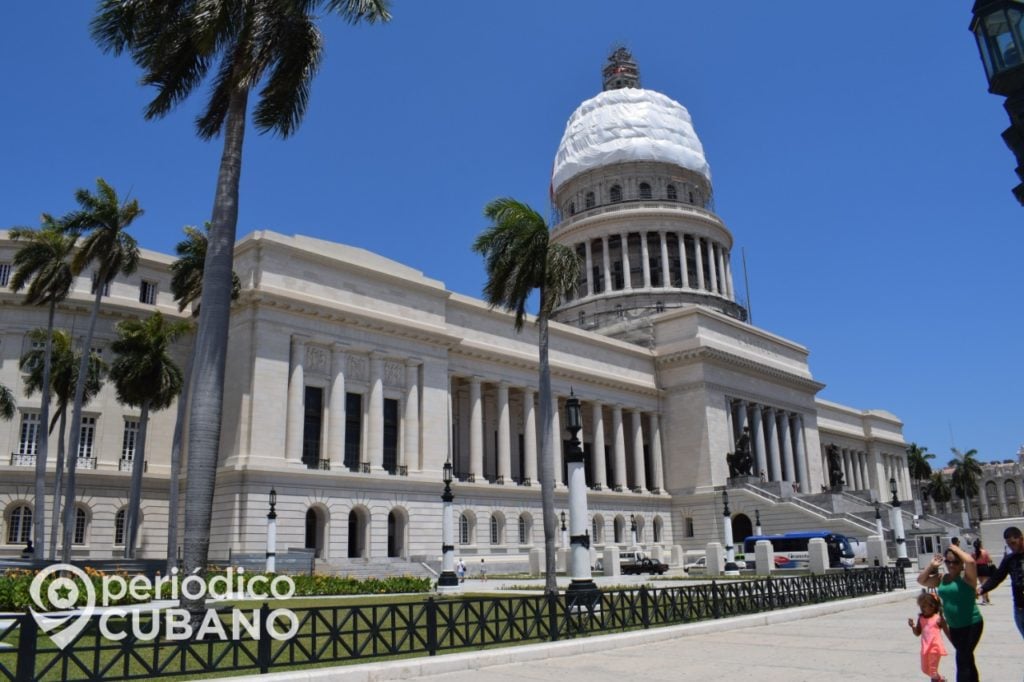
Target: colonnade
<point x="778" y="446"/>
<point x="667" y="260"/>
<point x="870" y="469"/>
<point x="623" y="444"/>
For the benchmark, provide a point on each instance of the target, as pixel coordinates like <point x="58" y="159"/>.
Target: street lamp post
<point x="582" y="591"/>
<point x="730" y="551"/>
<point x="897" y="527"/>
<point x="997" y="27"/>
<point x="757" y="522"/>
<point x="565" y="532"/>
<point x="447" y="581"/>
<point x="272" y="534"/>
<point x="879" y="528"/>
<point x="632" y="529"/>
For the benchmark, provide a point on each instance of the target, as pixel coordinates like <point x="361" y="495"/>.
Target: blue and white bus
<point x="790" y="549"/>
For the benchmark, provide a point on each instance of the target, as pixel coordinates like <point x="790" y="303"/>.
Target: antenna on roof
<point x="746" y="285"/>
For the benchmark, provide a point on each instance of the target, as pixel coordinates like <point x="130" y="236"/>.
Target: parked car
<point x="700" y="564"/>
<point x="644" y="565"/>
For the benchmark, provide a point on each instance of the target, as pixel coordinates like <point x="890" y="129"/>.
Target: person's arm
<point x="943" y="624"/>
<point x="992" y="582"/>
<point x="915" y="625"/>
<point x="970" y="566"/>
<point x="929" y="576"/>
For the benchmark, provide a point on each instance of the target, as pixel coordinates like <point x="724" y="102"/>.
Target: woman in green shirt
<point x="957" y="590"/>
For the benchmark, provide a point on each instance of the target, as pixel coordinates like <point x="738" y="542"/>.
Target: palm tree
<point x="520" y="258"/>
<point x="43" y="264"/>
<point x="63" y="379"/>
<point x="104" y="221"/>
<point x="917" y="462"/>
<point x="966" y="472"/>
<point x="7" y="404"/>
<point x="187" y="287"/>
<point x="146" y="377"/>
<point x="176" y="44"/>
<point x="938" y="488"/>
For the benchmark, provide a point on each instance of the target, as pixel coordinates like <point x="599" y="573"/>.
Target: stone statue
<point x="740" y="461"/>
<point x="835" y="467"/>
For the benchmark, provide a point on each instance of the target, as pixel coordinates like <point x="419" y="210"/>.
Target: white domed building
<point x="352" y="379"/>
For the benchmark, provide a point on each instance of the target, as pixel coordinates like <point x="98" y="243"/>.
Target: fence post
<point x="263" y="645"/>
<point x="645" y="615"/>
<point x="431" y="627"/>
<point x="716" y="607"/>
<point x="552" y="599"/>
<point x="28" y="632"/>
<point x="771" y="596"/>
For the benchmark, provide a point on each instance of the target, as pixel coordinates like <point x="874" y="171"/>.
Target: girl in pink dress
<point x="929" y="627"/>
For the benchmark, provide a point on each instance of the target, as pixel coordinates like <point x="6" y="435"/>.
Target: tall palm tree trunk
<point x="135" y="495"/>
<point x="76" y="421"/>
<point x="547" y="459"/>
<point x="211" y="349"/>
<point x="43" y="446"/>
<point x="58" y="482"/>
<point x="173" y="490"/>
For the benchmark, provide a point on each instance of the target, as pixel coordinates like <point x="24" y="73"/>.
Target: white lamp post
<point x="272" y="534"/>
<point x="447" y="581"/>
<point x="582" y="590"/>
<point x="878" y="520"/>
<point x="897" y="528"/>
<point x="757" y="522"/>
<point x="730" y="551"/>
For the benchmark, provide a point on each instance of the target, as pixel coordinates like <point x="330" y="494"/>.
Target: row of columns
<point x="856" y="467"/>
<point x="1001" y="496"/>
<point x="705" y="250"/>
<point x="594" y="435"/>
<point x="871" y="470"/>
<point x="777" y="441"/>
<point x="372" y="455"/>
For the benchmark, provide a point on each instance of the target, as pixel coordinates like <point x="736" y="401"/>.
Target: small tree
<point x="7" y="403"/>
<point x="917" y="462"/>
<point x="145" y="377"/>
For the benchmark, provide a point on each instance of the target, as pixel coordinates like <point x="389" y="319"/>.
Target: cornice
<point x="720" y="357"/>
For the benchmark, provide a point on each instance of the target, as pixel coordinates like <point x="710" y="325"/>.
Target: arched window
<point x="1010" y="488"/>
<point x="119" y="526"/>
<point x="645" y="190"/>
<point x="615" y="194"/>
<point x="620" y="526"/>
<point x="463" y="529"/>
<point x="691" y="197"/>
<point x="572" y="208"/>
<point x="589" y="200"/>
<point x="19" y="525"/>
<point x="597" y="530"/>
<point x="524" y="530"/>
<point x="81" y="523"/>
<point x="658" y="529"/>
<point x="670" y="192"/>
<point x="496" y="530"/>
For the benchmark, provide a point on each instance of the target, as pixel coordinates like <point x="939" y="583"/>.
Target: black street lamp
<point x="447" y="581"/>
<point x="730" y="549"/>
<point x="902" y="561"/>
<point x="271" y="559"/>
<point x="894" y="491"/>
<point x="998" y="28"/>
<point x="582" y="592"/>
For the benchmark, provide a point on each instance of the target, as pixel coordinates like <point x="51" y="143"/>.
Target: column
<point x="865" y="482"/>
<point x="1001" y="493"/>
<point x="800" y="454"/>
<point x="619" y="448"/>
<point x="556" y="440"/>
<point x="597" y="449"/>
<point x="848" y="466"/>
<point x="375" y="421"/>
<point x="875" y="470"/>
<point x="590" y="268"/>
<point x="741" y="420"/>
<point x="296" y="400"/>
<point x="645" y="259"/>
<point x="666" y="271"/>
<point x="627" y="277"/>
<point x="657" y="463"/>
<point x="697" y="250"/>
<point x="607" y="260"/>
<point x="639" y="468"/>
<point x="760" y="456"/>
<point x="728" y="277"/>
<point x="723" y="289"/>
<point x="336" y="408"/>
<point x="529" y="437"/>
<point x="476" y="430"/>
<point x="788" y="472"/>
<point x="771" y="437"/>
<point x="712" y="268"/>
<point x="682" y="261"/>
<point x="411" y="422"/>
<point x="504" y="436"/>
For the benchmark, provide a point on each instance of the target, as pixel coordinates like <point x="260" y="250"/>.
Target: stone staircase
<point x="374" y="568"/>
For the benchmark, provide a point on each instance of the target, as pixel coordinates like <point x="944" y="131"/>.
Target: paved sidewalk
<point x="863" y="640"/>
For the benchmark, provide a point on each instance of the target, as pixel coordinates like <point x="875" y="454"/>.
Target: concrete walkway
<point x="863" y="640"/>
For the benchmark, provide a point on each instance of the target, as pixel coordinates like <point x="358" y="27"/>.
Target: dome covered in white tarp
<point x="629" y="124"/>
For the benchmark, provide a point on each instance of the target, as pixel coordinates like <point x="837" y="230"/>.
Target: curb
<point x="448" y="663"/>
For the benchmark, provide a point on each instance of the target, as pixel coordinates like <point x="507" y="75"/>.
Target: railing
<point x="321" y="464"/>
<point x="86" y="463"/>
<point x="126" y="465"/>
<point x="21" y="460"/>
<point x="347" y="633"/>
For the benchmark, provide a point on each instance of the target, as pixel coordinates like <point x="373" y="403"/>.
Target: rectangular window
<point x="131" y="435"/>
<point x="689" y="527"/>
<point x="390" y="435"/>
<point x="87" y="438"/>
<point x="29" y="439"/>
<point x="5" y="274"/>
<point x="353" y="429"/>
<point x="95" y="281"/>
<point x="147" y="292"/>
<point x="80" y="519"/>
<point x="312" y="426"/>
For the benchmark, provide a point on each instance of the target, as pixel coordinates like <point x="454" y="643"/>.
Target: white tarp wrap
<point x="629" y="124"/>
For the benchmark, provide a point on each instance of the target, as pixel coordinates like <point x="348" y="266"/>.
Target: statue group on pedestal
<point x="835" y="467"/>
<point x="739" y="460"/>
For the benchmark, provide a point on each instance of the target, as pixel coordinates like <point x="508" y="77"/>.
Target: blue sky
<point x="855" y="153"/>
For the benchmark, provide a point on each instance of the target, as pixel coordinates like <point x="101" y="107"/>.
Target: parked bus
<point x="790" y="549"/>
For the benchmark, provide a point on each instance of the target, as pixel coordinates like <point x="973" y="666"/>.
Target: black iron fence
<point x="346" y="634"/>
